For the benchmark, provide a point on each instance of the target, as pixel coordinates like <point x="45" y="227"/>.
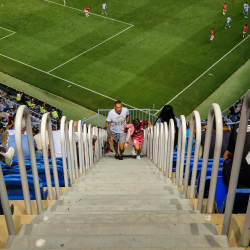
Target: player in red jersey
<point x="212" y="35"/>
<point x="245" y="30"/>
<point x="224" y="8"/>
<point x="86" y="10"/>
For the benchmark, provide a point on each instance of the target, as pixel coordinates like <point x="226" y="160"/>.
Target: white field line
<point x="204" y="72"/>
<point x="65" y="80"/>
<point x="89" y="49"/>
<point x="89" y="12"/>
<point x="12" y="33"/>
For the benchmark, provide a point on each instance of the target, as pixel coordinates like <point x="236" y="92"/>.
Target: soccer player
<point x="246" y="11"/>
<point x="212" y="35"/>
<point x="244" y="5"/>
<point x="245" y="30"/>
<point x="104" y="7"/>
<point x="228" y="22"/>
<point x="224" y="9"/>
<point x="86" y="10"/>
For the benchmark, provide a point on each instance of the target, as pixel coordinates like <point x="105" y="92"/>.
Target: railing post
<point x="64" y="135"/>
<point x="245" y="237"/>
<point x="180" y="150"/>
<point x="165" y="150"/>
<point x="46" y="122"/>
<point x="214" y="113"/>
<point x="161" y="147"/>
<point x="86" y="151"/>
<point x="5" y="205"/>
<point x="195" y="120"/>
<point x="151" y="144"/>
<point x="156" y="144"/>
<point x="239" y="146"/>
<point x="170" y="149"/>
<point x="90" y="145"/>
<point x="72" y="146"/>
<point x="24" y="111"/>
<point x="80" y="148"/>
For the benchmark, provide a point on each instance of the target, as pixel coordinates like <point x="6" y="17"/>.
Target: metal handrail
<point x="5" y="205"/>
<point x="156" y="144"/>
<point x="64" y="135"/>
<point x="165" y="149"/>
<point x="180" y="150"/>
<point x="214" y="113"/>
<point x="161" y="147"/>
<point x="171" y="136"/>
<point x="23" y="111"/>
<point x="239" y="147"/>
<point x="72" y="146"/>
<point x="151" y="140"/>
<point x="80" y="147"/>
<point x="90" y="145"/>
<point x="195" y="123"/>
<point x="86" y="148"/>
<point x="46" y="122"/>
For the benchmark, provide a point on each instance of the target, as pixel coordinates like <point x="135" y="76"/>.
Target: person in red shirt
<point x="245" y="30"/>
<point x="212" y="35"/>
<point x="86" y="10"/>
<point x="138" y="135"/>
<point x="224" y="9"/>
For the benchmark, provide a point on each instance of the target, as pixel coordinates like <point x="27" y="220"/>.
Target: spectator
<point x="7" y="114"/>
<point x="43" y="109"/>
<point x="166" y="114"/>
<point x="57" y="141"/>
<point x="225" y="139"/>
<point x="231" y="110"/>
<point x="25" y="146"/>
<point x="2" y="107"/>
<point x="118" y="118"/>
<point x="228" y="120"/>
<point x="38" y="140"/>
<point x="244" y="175"/>
<point x="237" y="109"/>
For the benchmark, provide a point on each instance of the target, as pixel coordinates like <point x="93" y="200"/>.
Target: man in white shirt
<point x="117" y="118"/>
<point x="228" y="22"/>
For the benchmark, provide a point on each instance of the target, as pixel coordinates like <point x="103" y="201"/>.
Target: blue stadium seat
<point x="207" y="181"/>
<point x="9" y="171"/>
<point x="241" y="197"/>
<point x="42" y="176"/>
<point x="14" y="187"/>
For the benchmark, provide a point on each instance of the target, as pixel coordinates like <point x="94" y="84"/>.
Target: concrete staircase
<point x="120" y="205"/>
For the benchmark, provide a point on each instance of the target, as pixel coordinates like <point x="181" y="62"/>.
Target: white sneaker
<point x="8" y="156"/>
<point x="134" y="151"/>
<point x="138" y="157"/>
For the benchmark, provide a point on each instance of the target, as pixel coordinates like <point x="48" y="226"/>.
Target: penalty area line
<point x="89" y="49"/>
<point x="204" y="73"/>
<point x="110" y="98"/>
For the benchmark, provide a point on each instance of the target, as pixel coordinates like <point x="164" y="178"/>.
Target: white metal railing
<point x="239" y="147"/>
<point x="159" y="147"/>
<point x="195" y="124"/>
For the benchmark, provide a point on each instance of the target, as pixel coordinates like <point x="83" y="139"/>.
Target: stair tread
<point x="100" y="241"/>
<point x="120" y="229"/>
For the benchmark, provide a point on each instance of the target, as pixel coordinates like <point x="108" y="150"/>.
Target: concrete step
<point x="120" y="202"/>
<point x="122" y="197"/>
<point x="204" y="248"/>
<point x="120" y="229"/>
<point x="80" y="191"/>
<point x="111" y="208"/>
<point x="82" y="183"/>
<point x="127" y="188"/>
<point x="118" y="212"/>
<point x="134" y="241"/>
<point x="182" y="216"/>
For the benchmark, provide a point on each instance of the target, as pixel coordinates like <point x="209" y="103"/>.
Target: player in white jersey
<point x="104" y="7"/>
<point x="228" y="22"/>
<point x="246" y="11"/>
<point x="244" y="6"/>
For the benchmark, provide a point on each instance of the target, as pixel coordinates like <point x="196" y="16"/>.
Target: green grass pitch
<point x="145" y="52"/>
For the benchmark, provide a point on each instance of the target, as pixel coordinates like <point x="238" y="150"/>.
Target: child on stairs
<point x="138" y="135"/>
